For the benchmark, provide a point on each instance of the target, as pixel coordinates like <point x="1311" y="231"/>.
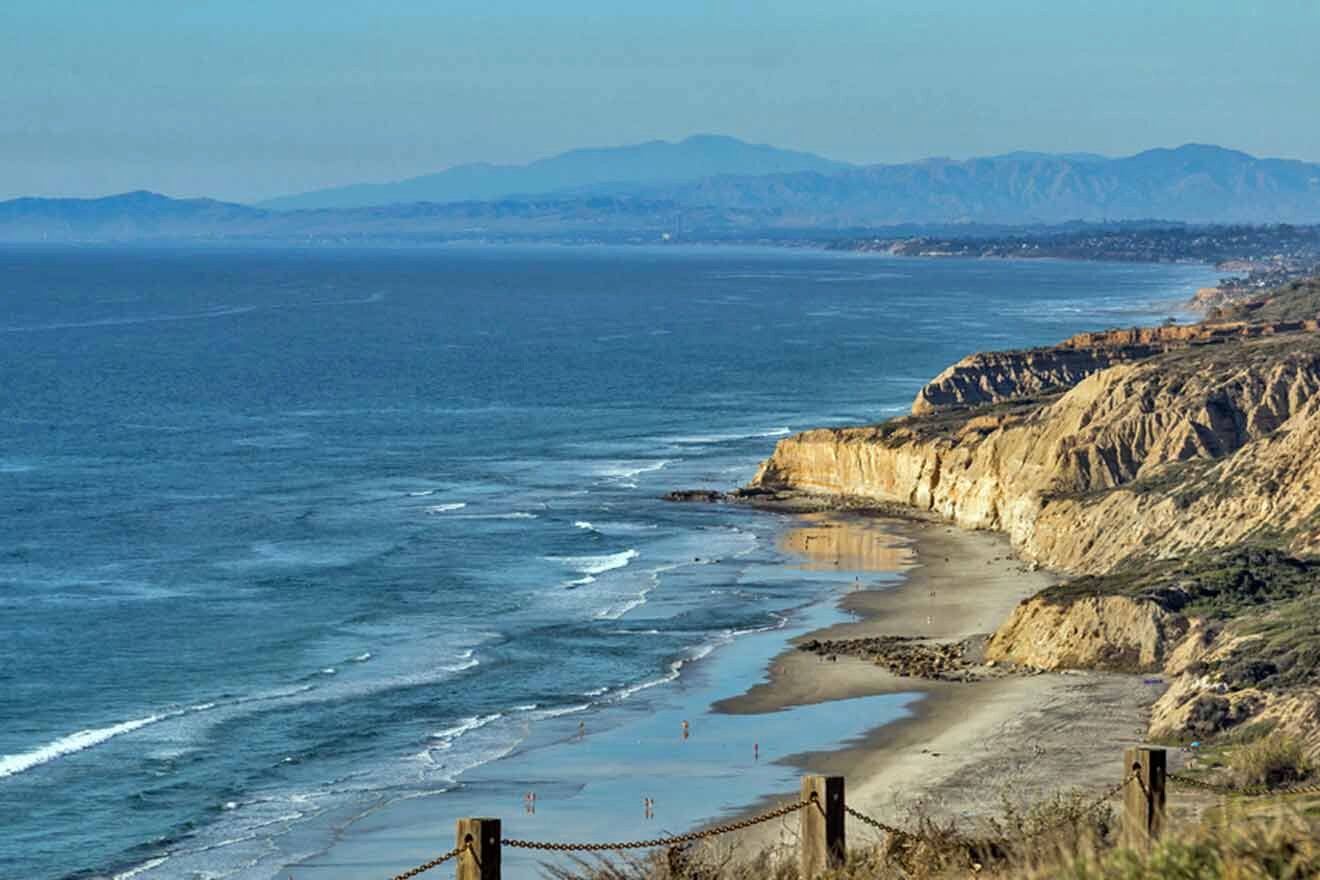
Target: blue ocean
<point x="294" y="537"/>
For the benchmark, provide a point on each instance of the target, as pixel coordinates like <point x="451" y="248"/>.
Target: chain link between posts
<point x="434" y="863"/>
<point x="691" y="837"/>
<point x="788" y="809"/>
<point x="1242" y="791"/>
<point x="1086" y="811"/>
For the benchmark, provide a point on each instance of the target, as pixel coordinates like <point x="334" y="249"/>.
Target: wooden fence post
<point x="1143" y="796"/>
<point x="482" y="860"/>
<point x="822" y="840"/>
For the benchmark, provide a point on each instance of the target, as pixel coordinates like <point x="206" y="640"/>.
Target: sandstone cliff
<point x="1123" y="457"/>
<point x="1116" y="633"/>
<point x="993" y="377"/>
<point x="1188" y="449"/>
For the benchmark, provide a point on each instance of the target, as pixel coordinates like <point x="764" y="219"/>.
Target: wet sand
<point x="968" y="746"/>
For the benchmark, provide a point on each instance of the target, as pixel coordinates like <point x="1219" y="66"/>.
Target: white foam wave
<point x="614" y="612"/>
<point x="517" y="514"/>
<point x="362" y="658"/>
<point x="141" y="869"/>
<point x="615" y="528"/>
<point x="423" y="494"/>
<point x="74" y="742"/>
<point x="562" y="710"/>
<point x="591" y="565"/>
<point x="627" y="470"/>
<point x="459" y="667"/>
<point x="625" y="693"/>
<point x="579" y="582"/>
<point x="474" y="722"/>
<point x="676" y="667"/>
<point x="703" y="439"/>
<point x="701" y="653"/>
<point x="446" y="508"/>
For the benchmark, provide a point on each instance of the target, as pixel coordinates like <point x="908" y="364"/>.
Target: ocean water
<point x="294" y="536"/>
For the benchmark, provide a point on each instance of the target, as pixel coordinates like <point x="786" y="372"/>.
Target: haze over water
<point x="292" y="534"/>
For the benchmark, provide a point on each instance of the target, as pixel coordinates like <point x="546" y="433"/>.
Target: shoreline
<point x="965" y="749"/>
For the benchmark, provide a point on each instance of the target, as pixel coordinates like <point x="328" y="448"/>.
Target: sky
<point x="248" y="99"/>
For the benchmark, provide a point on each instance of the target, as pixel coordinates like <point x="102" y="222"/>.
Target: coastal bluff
<point x="994" y="377"/>
<point x="1171" y="473"/>
<point x="1188" y="447"/>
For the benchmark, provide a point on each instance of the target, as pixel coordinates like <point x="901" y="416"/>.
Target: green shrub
<point x="1273" y="760"/>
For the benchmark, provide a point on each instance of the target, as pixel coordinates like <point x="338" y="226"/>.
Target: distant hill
<point x="133" y="216"/>
<point x="616" y="169"/>
<point x="1193" y="184"/>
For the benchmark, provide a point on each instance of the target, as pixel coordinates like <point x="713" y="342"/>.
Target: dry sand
<point x="968" y="746"/>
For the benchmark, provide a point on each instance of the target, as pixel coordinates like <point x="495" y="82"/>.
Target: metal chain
<point x="434" y="863"/>
<point x="1090" y="808"/>
<point x="787" y="809"/>
<point x="1244" y="791"/>
<point x="876" y="823"/>
<point x="663" y="841"/>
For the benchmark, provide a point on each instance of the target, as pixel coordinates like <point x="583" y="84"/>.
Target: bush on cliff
<point x="1274" y="760"/>
<point x="1220" y="585"/>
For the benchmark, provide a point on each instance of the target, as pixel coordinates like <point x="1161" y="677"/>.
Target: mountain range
<point x="713" y="187"/>
<point x="612" y="169"/>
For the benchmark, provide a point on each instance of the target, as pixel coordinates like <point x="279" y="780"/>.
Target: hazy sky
<point x="243" y="99"/>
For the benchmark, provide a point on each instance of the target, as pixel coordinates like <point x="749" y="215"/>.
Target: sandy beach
<point x="969" y="746"/>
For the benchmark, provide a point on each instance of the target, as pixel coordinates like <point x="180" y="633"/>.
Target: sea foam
<point x="474" y="722"/>
<point x="706" y="439"/>
<point x="592" y="565"/>
<point x="74" y="742"/>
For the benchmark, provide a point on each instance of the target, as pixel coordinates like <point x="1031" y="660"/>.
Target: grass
<point x="1236" y="846"/>
<point x="1273" y="760"/>
<point x="1286" y="847"/>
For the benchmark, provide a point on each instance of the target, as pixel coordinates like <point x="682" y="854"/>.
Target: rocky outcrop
<point x="1191" y="448"/>
<point x="1115" y="633"/>
<point x="910" y="657"/>
<point x="994" y="377"/>
<point x="1199" y="703"/>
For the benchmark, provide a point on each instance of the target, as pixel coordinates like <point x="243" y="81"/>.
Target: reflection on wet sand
<point x="849" y="543"/>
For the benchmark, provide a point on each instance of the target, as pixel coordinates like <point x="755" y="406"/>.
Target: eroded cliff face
<point x="997" y="376"/>
<point x="1156" y="444"/>
<point x="1192" y="448"/>
<point x="1115" y="633"/>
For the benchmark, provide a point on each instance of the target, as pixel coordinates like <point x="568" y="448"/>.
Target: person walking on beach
<point x="756" y="751"/>
<point x="685" y="730"/>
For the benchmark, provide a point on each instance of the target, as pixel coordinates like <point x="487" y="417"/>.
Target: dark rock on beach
<point x="706" y="496"/>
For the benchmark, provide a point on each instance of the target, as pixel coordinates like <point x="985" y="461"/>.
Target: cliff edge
<point x="1155" y="457"/>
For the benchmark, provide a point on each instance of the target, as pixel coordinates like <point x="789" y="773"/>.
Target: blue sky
<point x="244" y="99"/>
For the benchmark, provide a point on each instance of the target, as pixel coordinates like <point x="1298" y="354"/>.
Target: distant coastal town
<point x="1261" y="257"/>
